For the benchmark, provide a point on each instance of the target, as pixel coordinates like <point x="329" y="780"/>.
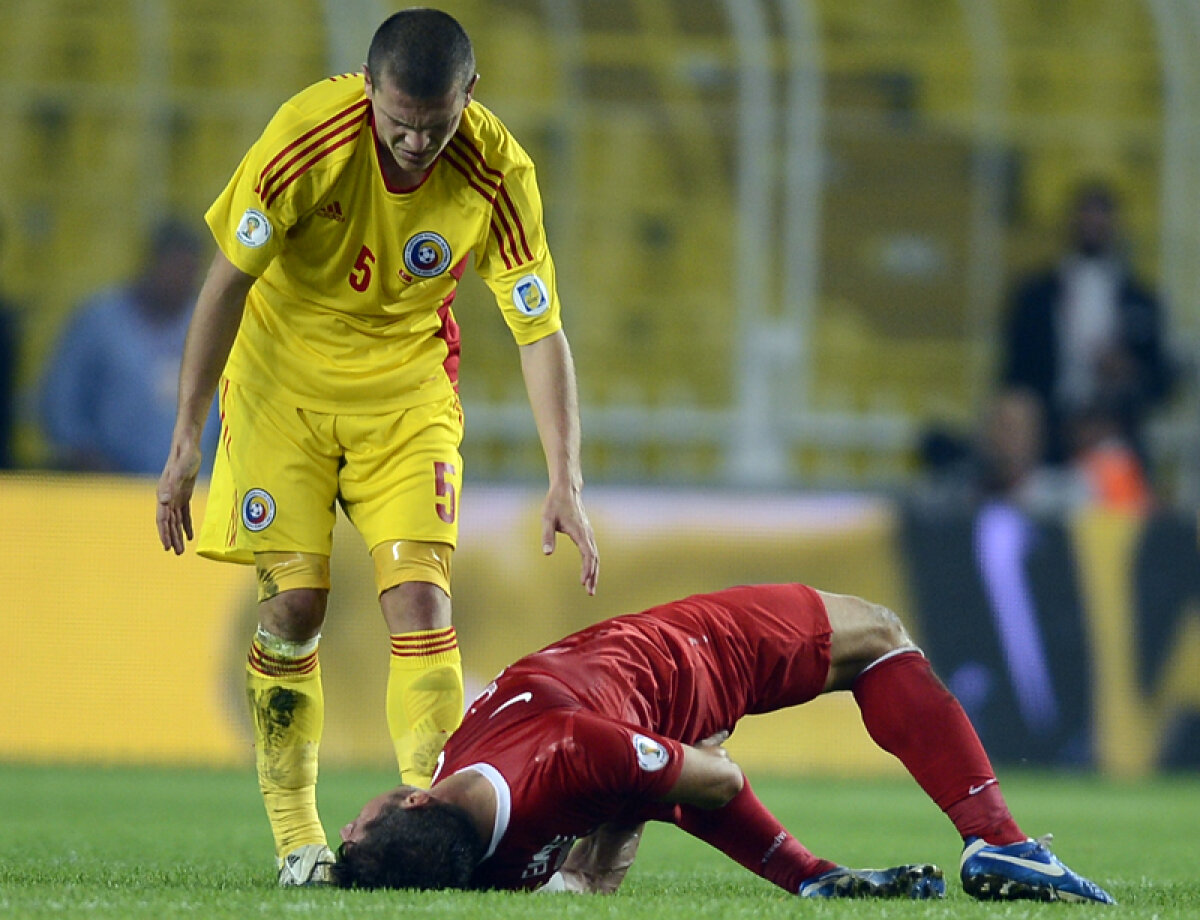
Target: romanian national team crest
<point x="427" y="254"/>
<point x="258" y="510"/>
<point x="651" y="756"/>
<point x="530" y="296"/>
<point x="254" y="229"/>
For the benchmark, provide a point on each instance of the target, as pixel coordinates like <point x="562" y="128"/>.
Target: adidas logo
<point x="333" y="211"/>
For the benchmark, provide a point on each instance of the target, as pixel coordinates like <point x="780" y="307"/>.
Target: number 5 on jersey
<point x="360" y="274"/>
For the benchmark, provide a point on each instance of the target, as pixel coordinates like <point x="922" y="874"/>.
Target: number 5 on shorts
<point x="447" y="500"/>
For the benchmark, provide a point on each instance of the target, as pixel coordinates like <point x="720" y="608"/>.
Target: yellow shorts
<point x="280" y="471"/>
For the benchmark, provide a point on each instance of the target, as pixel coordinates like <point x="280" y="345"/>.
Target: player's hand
<point x="563" y="513"/>
<point x="175" y="487"/>
<point x="713" y="743"/>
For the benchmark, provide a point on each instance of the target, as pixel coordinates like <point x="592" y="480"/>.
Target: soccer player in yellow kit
<point x="326" y="321"/>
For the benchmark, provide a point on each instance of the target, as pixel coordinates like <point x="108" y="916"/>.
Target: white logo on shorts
<point x="254" y="229"/>
<point x="258" y="510"/>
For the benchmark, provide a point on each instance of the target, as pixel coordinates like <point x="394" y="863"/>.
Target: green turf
<point x="133" y="843"/>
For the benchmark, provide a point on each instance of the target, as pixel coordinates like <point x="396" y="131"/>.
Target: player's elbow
<point x="715" y="789"/>
<point x="726" y="786"/>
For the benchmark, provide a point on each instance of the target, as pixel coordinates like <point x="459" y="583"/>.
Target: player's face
<point x="400" y="797"/>
<point x="415" y="130"/>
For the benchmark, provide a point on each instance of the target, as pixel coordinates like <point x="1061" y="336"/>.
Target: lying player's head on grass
<point x="406" y="838"/>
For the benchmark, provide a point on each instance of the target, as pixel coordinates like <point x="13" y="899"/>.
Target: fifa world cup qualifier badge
<point x="651" y="756"/>
<point x="254" y="229"/>
<point x="258" y="510"/>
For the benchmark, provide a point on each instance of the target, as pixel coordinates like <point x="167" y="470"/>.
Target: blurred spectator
<point x="108" y="394"/>
<point x="1086" y="332"/>
<point x="1011" y="465"/>
<point x="1106" y="463"/>
<point x="9" y="342"/>
<point x="1002" y="462"/>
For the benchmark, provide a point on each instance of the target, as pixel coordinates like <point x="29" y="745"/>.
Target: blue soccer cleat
<point x="918" y="882"/>
<point x="1023" y="871"/>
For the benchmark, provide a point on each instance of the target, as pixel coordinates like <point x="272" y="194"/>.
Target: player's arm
<point x="549" y="373"/>
<point x="709" y="778"/>
<point x="597" y="864"/>
<point x="213" y="327"/>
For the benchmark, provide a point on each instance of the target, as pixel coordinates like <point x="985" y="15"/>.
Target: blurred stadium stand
<point x="783" y="227"/>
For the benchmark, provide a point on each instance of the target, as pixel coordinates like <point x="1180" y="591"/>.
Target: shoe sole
<point x="990" y="887"/>
<point x="912" y="882"/>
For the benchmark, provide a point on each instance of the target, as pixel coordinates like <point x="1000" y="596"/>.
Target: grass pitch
<point x="157" y="843"/>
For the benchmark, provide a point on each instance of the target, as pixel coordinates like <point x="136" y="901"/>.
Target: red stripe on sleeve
<point x="517" y="220"/>
<point x="309" y="165"/>
<point x="322" y="146"/>
<point x="478" y="157"/>
<point x="354" y="111"/>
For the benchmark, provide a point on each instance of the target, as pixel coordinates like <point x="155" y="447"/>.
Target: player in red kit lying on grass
<point x="561" y="760"/>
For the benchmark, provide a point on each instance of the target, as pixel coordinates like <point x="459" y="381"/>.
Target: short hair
<point x="432" y="846"/>
<point x="425" y="53"/>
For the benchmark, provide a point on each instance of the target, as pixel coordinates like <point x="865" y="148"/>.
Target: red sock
<point x="745" y="831"/>
<point x="910" y="713"/>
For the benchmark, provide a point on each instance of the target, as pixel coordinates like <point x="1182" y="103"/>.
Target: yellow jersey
<point x="351" y="311"/>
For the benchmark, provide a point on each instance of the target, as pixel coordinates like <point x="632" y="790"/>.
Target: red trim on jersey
<point x="517" y="220"/>
<point x="354" y="111"/>
<point x="478" y="156"/>
<point x="490" y="177"/>
<point x="448" y="332"/>
<point x="321" y="154"/>
<point x="479" y="163"/>
<point x="499" y="235"/>
<point x="477" y="170"/>
<point x="498" y="215"/>
<point x="488" y="195"/>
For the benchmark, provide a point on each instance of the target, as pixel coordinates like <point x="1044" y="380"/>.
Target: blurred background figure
<point x="1011" y="458"/>
<point x="1086" y="332"/>
<point x="10" y="340"/>
<point x="107" y="400"/>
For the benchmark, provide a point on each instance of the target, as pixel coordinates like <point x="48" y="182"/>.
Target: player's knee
<point x="295" y="615"/>
<point x="400" y="562"/>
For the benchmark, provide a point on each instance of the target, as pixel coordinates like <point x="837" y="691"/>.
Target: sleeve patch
<point x="651" y="756"/>
<point x="530" y="296"/>
<point x="254" y="229"/>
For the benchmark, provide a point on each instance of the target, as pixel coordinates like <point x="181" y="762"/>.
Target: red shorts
<point x="693" y="667"/>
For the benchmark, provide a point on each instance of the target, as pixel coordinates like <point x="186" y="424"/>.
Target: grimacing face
<point x="415" y="130"/>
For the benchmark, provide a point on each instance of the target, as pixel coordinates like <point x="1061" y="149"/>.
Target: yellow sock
<point x="283" y="683"/>
<point x="424" y="699"/>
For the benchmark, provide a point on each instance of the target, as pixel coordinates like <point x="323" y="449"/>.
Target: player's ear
<point x="416" y="798"/>
<point x="471" y="87"/>
<point x="366" y="72"/>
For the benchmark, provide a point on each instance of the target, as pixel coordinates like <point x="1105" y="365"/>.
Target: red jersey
<point x="590" y="729"/>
